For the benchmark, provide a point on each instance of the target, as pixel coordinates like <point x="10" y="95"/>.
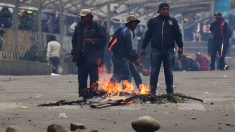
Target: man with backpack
<point x="163" y="32"/>
<point x="88" y="42"/>
<point x="125" y="55"/>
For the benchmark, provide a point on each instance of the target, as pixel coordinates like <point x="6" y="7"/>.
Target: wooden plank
<point x="112" y="101"/>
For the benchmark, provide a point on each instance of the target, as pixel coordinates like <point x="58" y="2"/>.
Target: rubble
<point x="77" y="127"/>
<point x="13" y="128"/>
<point x="56" y="128"/>
<point x="145" y="124"/>
<point x="63" y="115"/>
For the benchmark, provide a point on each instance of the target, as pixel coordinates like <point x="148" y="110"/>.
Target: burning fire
<point x="112" y="88"/>
<point x="144" y="90"/>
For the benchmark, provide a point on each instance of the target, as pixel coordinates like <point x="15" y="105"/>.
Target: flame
<point x="144" y="90"/>
<point x="112" y="88"/>
<point x="100" y="69"/>
<point x="128" y="87"/>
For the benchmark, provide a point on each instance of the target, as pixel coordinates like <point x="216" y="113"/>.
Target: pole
<point x="82" y="4"/>
<point x="108" y="18"/>
<point x="15" y="27"/>
<point x="39" y="22"/>
<point x="61" y="23"/>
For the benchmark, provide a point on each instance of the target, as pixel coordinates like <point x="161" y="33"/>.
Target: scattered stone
<point x="29" y="120"/>
<point x="219" y="123"/>
<point x="77" y="127"/>
<point x="56" y="128"/>
<point x="63" y="115"/>
<point x="94" y="131"/>
<point x="176" y="124"/>
<point x="211" y="103"/>
<point x="145" y="124"/>
<point x="220" y="128"/>
<point x="226" y="115"/>
<point x="13" y="128"/>
<point x="78" y="131"/>
<point x="114" y="122"/>
<point x="228" y="124"/>
<point x="194" y="118"/>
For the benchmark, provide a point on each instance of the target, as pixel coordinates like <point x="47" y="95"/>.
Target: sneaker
<point x="152" y="97"/>
<point x="226" y="67"/>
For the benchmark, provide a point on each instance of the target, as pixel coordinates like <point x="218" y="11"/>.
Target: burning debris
<point x="113" y="94"/>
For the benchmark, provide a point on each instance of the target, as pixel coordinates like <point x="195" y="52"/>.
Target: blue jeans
<point x="55" y="61"/>
<point x="121" y="70"/>
<point x="135" y="74"/>
<point x="157" y="57"/>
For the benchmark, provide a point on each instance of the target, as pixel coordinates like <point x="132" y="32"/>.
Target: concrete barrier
<point x="22" y="67"/>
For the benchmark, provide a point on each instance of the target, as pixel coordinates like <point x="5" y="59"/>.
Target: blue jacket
<point x="125" y="48"/>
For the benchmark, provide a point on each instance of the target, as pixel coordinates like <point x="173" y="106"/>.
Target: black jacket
<point x="216" y="31"/>
<point x="91" y="52"/>
<point x="163" y="32"/>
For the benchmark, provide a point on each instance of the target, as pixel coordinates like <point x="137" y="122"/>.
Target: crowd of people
<point x="28" y="20"/>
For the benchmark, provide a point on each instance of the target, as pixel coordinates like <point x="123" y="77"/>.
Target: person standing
<point x="125" y="55"/>
<point x="53" y="53"/>
<point x="220" y="37"/>
<point x="163" y="32"/>
<point x="88" y="42"/>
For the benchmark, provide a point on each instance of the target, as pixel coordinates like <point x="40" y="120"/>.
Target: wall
<point x="20" y="67"/>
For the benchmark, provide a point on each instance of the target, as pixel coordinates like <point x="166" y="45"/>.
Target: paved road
<point x="20" y="95"/>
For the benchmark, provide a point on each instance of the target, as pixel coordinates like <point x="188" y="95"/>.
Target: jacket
<point x="204" y="62"/>
<point x="163" y="32"/>
<point x="91" y="52"/>
<point x="53" y="49"/>
<point x="125" y="45"/>
<point x="216" y="30"/>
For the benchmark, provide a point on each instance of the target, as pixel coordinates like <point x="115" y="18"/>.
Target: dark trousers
<point x="135" y="74"/>
<point x="216" y="48"/>
<point x="55" y="61"/>
<point x="157" y="57"/>
<point x="86" y="69"/>
<point x="121" y="69"/>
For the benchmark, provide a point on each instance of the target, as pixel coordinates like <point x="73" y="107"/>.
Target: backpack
<point x="113" y="41"/>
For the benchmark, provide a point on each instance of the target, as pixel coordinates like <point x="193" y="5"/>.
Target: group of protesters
<point x="90" y="38"/>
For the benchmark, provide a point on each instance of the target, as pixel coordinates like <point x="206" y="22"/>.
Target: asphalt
<point x="20" y="95"/>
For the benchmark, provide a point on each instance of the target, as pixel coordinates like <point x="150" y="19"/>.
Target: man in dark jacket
<point x="163" y="32"/>
<point x="220" y="40"/>
<point x="88" y="42"/>
<point x="124" y="55"/>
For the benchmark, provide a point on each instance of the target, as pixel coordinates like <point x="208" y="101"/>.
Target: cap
<point x="218" y="14"/>
<point x="132" y="18"/>
<point x="85" y="12"/>
<point x="198" y="53"/>
<point x="162" y="5"/>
